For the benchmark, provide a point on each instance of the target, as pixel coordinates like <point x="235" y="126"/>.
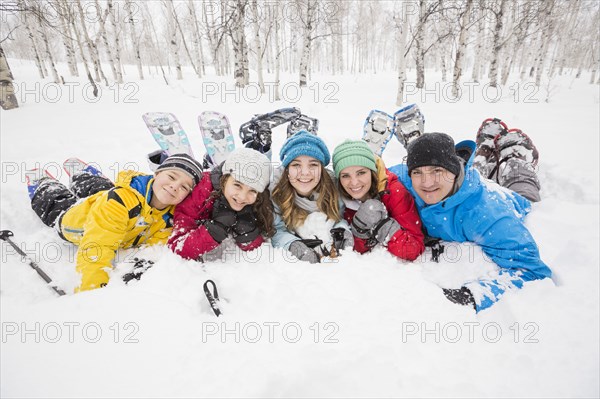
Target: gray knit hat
<point x="183" y="163"/>
<point x="250" y="167"/>
<point x="433" y="149"/>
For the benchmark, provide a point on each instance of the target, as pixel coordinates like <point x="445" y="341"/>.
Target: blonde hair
<point x="293" y="216"/>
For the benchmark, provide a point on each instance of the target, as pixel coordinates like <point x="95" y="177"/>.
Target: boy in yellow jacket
<point x="102" y="217"/>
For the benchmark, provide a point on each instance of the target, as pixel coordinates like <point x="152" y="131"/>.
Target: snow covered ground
<point x="364" y="326"/>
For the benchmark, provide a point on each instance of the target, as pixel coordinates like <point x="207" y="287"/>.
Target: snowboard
<point x="378" y="130"/>
<point x="409" y="123"/>
<point x="217" y="137"/>
<point x="303" y="122"/>
<point x="256" y="133"/>
<point x="168" y="133"/>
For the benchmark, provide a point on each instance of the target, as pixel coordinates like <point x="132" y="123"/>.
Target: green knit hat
<point x="353" y="153"/>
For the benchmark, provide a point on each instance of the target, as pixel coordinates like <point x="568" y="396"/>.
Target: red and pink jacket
<point x="406" y="243"/>
<point x="190" y="238"/>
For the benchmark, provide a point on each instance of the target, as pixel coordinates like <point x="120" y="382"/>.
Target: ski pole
<point x="5" y="236"/>
<point x="213" y="297"/>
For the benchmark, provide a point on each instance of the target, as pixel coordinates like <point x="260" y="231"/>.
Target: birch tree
<point x="258" y="46"/>
<point x="479" y="43"/>
<point x="34" y="45"/>
<point x="102" y="32"/>
<point x="547" y="34"/>
<point x="197" y="39"/>
<point x="117" y="43"/>
<point x="497" y="43"/>
<point x="48" y="52"/>
<point x="67" y="39"/>
<point x="311" y="6"/>
<point x="419" y="44"/>
<point x="402" y="34"/>
<point x="91" y="47"/>
<point x="461" y="48"/>
<point x="8" y="100"/>
<point x="134" y="38"/>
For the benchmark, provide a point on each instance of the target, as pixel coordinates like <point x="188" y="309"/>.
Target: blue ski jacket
<point x="486" y="214"/>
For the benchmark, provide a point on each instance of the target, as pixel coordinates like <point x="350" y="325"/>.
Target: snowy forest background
<point x="483" y="41"/>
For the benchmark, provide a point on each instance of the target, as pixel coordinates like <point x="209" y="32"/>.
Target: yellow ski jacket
<point x="117" y="218"/>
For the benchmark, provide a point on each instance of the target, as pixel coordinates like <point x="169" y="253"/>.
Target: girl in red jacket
<point x="230" y="201"/>
<point x="378" y="207"/>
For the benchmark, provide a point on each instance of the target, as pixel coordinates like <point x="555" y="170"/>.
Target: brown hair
<point x="263" y="207"/>
<point x="293" y="216"/>
<point x="373" y="191"/>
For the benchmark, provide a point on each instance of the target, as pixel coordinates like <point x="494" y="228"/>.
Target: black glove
<point x="223" y="217"/>
<point x="139" y="267"/>
<point x="342" y="238"/>
<point x="460" y="296"/>
<point x="245" y="229"/>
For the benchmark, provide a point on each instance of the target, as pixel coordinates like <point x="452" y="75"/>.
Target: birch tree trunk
<point x="307" y="39"/>
<point x="547" y="34"/>
<point x="8" y="100"/>
<point x="82" y="52"/>
<point x="419" y="43"/>
<point x="66" y="37"/>
<point x="402" y="34"/>
<point x="497" y="46"/>
<point x="197" y="39"/>
<point x="178" y="28"/>
<point x="34" y="46"/>
<point x="460" y="50"/>
<point x="135" y="41"/>
<point x="116" y="31"/>
<point x="47" y="49"/>
<point x="277" y="54"/>
<point x="92" y="50"/>
<point x="477" y="58"/>
<point x="238" y="41"/>
<point x="109" y="53"/>
<point x="172" y="28"/>
<point x="257" y="44"/>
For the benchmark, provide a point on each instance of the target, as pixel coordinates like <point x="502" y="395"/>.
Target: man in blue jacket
<point x="456" y="204"/>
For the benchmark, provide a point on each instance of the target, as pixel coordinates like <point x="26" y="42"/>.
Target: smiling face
<point x="304" y="174"/>
<point x="432" y="183"/>
<point x="170" y="187"/>
<point x="238" y="194"/>
<point x="356" y="180"/>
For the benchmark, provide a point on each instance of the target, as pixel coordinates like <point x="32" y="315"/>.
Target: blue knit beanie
<point x="304" y="143"/>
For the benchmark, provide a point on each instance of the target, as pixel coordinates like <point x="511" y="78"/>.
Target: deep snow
<point x="365" y="326"/>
